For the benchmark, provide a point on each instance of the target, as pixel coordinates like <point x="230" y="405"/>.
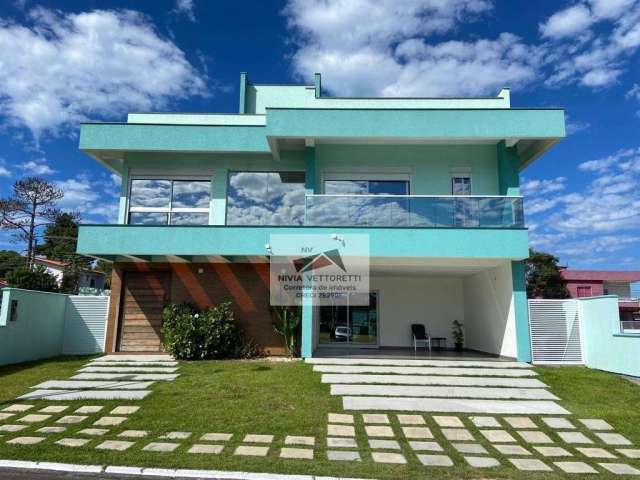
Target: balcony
<point x="414" y="211"/>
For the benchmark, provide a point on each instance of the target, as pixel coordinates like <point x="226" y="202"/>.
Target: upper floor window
<point x="265" y="198"/>
<point x="461" y="185"/>
<point x="366" y="187"/>
<point x="584" y="290"/>
<point x="169" y="202"/>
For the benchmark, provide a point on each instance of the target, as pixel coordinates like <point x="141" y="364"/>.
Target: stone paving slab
<point x="333" y="442"/>
<point x="118" y="445"/>
<point x="511" y="450"/>
<point x="51" y="430"/>
<point x="4" y="416"/>
<point x="87" y="384"/>
<point x="629" y="452"/>
<point x="340" y="418"/>
<point x="379" y="431"/>
<point x="411" y="420"/>
<point x="595" y="452"/>
<point x="457" y="434"/>
<point x="388" y="457"/>
<point x="475" y="372"/>
<point x="67" y="395"/>
<point x="134" y="377"/>
<point x="435" y="460"/>
<point x="89" y="409"/>
<point x="72" y="419"/>
<point x="485" y="422"/>
<point x="442" y="405"/>
<point x="124" y="410"/>
<point x="553" y="452"/>
<point x="252" y="438"/>
<point x="132" y="364"/>
<point x="294" y="440"/>
<point x="120" y="369"/>
<point x="341" y="431"/>
<point x="17" y="407"/>
<point x="595" y="424"/>
<point x="34" y="418"/>
<point x="383" y="444"/>
<point x="620" y="468"/>
<point x="206" y="448"/>
<point x="152" y="357"/>
<point x="530" y="465"/>
<point x="53" y="409"/>
<point x="73" y="442"/>
<point x="416" y="362"/>
<point x="25" y="440"/>
<point x="558" y="423"/>
<point x="498" y="436"/>
<point x="297" y="453"/>
<point x="216" y="437"/>
<point x="417" y="432"/>
<point x="612" y="438"/>
<point x="12" y="428"/>
<point x="160" y="447"/>
<point x="176" y="436"/>
<point x="94" y="432"/>
<point x="520" y="422"/>
<point x="574" y="437"/>
<point x="482" y="462"/>
<point x="575" y="467"/>
<point x="376" y="418"/>
<point x="474" y="448"/>
<point x="446" y="392"/>
<point x="134" y="434"/>
<point x="534" y="436"/>
<point x="109" y="421"/>
<point x="251" y="451"/>
<point x="433" y="380"/>
<point x="447" y="421"/>
<point x="343" y="455"/>
<point x="425" y="446"/>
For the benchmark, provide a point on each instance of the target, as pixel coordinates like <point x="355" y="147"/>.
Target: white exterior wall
<point x="433" y="301"/>
<point x="490" y="324"/>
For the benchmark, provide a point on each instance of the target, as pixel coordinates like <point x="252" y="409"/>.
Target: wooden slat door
<point x="143" y="298"/>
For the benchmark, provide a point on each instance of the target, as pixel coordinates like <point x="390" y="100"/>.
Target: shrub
<point x="36" y="278"/>
<point x="209" y="334"/>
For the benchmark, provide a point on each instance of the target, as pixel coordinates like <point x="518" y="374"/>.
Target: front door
<point x="349" y="324"/>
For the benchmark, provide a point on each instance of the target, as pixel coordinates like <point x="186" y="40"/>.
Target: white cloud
<point x="92" y="198"/>
<point x="78" y="192"/>
<point x="567" y="22"/>
<point x="187" y="8"/>
<point x="541" y="187"/>
<point x="625" y="158"/>
<point x="37" y="167"/>
<point x="575" y="126"/>
<point x="101" y="63"/>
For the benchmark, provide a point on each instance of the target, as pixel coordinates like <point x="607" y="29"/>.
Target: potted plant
<point x="458" y="335"/>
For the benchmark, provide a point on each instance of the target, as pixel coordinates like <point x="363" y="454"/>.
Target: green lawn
<point x="287" y="398"/>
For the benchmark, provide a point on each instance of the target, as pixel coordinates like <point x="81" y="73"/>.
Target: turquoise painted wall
<point x="521" y="310"/>
<point x="605" y="348"/>
<point x="50" y="324"/>
<point x="38" y="331"/>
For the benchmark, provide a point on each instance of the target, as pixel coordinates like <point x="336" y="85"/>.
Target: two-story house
<point x="432" y="182"/>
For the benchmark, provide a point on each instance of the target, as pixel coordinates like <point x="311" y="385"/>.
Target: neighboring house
<point x="433" y="182"/>
<point x="88" y="278"/>
<point x="592" y="283"/>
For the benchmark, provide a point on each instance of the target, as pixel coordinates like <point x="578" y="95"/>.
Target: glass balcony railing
<point x="414" y="211"/>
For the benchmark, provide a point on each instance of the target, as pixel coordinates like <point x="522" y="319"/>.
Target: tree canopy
<point x="543" y="276"/>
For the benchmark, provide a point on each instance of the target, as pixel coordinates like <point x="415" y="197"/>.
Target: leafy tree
<point x="31" y="205"/>
<point x="106" y="268"/>
<point x="9" y="260"/>
<point x="543" y="276"/>
<point x="34" y="278"/>
<point x="61" y="239"/>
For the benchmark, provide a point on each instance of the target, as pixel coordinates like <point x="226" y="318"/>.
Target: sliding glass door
<point x="352" y="322"/>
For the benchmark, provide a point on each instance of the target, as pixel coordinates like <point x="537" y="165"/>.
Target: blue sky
<point x="64" y="62"/>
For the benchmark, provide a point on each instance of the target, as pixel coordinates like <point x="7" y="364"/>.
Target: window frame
<point x="461" y="175"/>
<point x="368" y="177"/>
<point x="170" y="209"/>
<point x="582" y="289"/>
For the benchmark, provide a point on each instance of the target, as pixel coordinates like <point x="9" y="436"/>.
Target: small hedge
<point x="212" y="333"/>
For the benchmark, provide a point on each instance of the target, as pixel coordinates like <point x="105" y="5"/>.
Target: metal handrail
<point x="358" y="195"/>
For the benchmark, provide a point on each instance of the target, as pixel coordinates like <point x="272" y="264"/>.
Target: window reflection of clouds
<point x="180" y="218"/>
<point x="150" y="193"/>
<point x="265" y="198"/>
<point x="147" y="218"/>
<point x="190" y="194"/>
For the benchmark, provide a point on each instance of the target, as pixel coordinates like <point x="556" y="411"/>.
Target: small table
<point x="439" y="342"/>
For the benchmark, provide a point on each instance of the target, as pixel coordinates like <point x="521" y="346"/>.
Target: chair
<point x="420" y="335"/>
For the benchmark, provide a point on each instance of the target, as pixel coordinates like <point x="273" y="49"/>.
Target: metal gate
<point x="555" y="331"/>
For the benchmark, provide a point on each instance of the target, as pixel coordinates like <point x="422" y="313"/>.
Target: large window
<point x="169" y="202"/>
<point x="265" y="198"/>
<point x="366" y="187"/>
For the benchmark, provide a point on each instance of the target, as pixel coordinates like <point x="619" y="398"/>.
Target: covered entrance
<point x="349" y="322"/>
